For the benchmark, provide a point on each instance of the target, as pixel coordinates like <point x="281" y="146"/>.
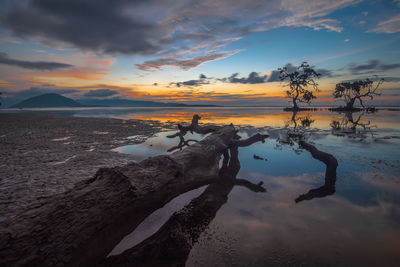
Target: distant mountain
<point x="47" y="101"/>
<point x="132" y="103"/>
<point x="55" y="100"/>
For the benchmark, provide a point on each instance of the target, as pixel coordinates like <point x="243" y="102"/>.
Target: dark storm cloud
<point x="203" y="79"/>
<point x="253" y="78"/>
<point x="101" y="93"/>
<point x="170" y="29"/>
<point x="37" y="65"/>
<point x="100" y="25"/>
<point x="373" y="65"/>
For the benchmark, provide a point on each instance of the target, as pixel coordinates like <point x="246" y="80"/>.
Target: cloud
<point x="326" y="73"/>
<point x="389" y="79"/>
<point x="36" y="65"/>
<point x="88" y="25"/>
<point x="192" y="83"/>
<point x="319" y="24"/>
<point x="188" y="29"/>
<point x="346" y="40"/>
<point x="101" y="93"/>
<point x="275" y="74"/>
<point x="78" y="73"/>
<point x="185" y="64"/>
<point x="391" y="25"/>
<point x="6" y="39"/>
<point x="253" y="78"/>
<point x="4" y="83"/>
<point x="378" y="78"/>
<point x="372" y="66"/>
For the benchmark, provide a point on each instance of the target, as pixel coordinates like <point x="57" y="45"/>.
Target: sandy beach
<point x="42" y="155"/>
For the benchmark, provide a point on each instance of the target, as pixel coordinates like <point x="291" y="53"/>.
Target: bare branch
<point x="249" y="141"/>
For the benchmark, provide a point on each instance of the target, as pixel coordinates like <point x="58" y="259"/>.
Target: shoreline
<point x="42" y="155"/>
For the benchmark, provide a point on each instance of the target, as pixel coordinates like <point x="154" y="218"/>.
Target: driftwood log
<point x="171" y="245"/>
<point x="81" y="226"/>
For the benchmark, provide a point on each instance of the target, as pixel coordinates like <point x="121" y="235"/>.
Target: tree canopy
<point x="299" y="82"/>
<point x="350" y="92"/>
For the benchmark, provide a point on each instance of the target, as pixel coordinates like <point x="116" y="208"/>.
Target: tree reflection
<point x="355" y="128"/>
<point x="296" y="129"/>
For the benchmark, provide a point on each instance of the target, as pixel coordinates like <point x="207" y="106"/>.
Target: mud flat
<point x="42" y="155"/>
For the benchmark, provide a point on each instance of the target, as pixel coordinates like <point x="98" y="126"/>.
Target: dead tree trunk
<point x="81" y="226"/>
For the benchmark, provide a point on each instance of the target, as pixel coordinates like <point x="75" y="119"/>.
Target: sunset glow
<point x="197" y="53"/>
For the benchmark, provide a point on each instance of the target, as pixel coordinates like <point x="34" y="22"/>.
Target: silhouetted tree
<point x="353" y="91"/>
<point x="299" y="81"/>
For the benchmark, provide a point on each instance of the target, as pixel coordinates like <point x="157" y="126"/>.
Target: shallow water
<point x="359" y="225"/>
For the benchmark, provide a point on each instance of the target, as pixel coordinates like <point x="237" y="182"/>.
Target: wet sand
<point x="42" y="155"/>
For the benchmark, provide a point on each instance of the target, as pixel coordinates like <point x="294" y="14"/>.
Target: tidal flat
<point x="42" y="155"/>
<point x="303" y="218"/>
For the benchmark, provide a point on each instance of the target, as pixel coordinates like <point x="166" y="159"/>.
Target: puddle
<point x="64" y="161"/>
<point x="61" y="138"/>
<point x="152" y="223"/>
<point x="155" y="145"/>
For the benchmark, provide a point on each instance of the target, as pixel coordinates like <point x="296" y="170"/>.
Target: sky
<point x="196" y="52"/>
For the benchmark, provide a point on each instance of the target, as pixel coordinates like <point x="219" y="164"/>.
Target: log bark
<point x="81" y="226"/>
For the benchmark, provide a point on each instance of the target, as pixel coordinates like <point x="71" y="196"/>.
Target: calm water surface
<point x="359" y="225"/>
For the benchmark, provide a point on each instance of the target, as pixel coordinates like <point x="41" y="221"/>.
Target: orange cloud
<point x="4" y="83"/>
<point x="98" y="62"/>
<point x="80" y="74"/>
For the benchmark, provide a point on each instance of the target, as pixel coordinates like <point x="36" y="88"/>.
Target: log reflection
<point x="330" y="174"/>
<point x="297" y="133"/>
